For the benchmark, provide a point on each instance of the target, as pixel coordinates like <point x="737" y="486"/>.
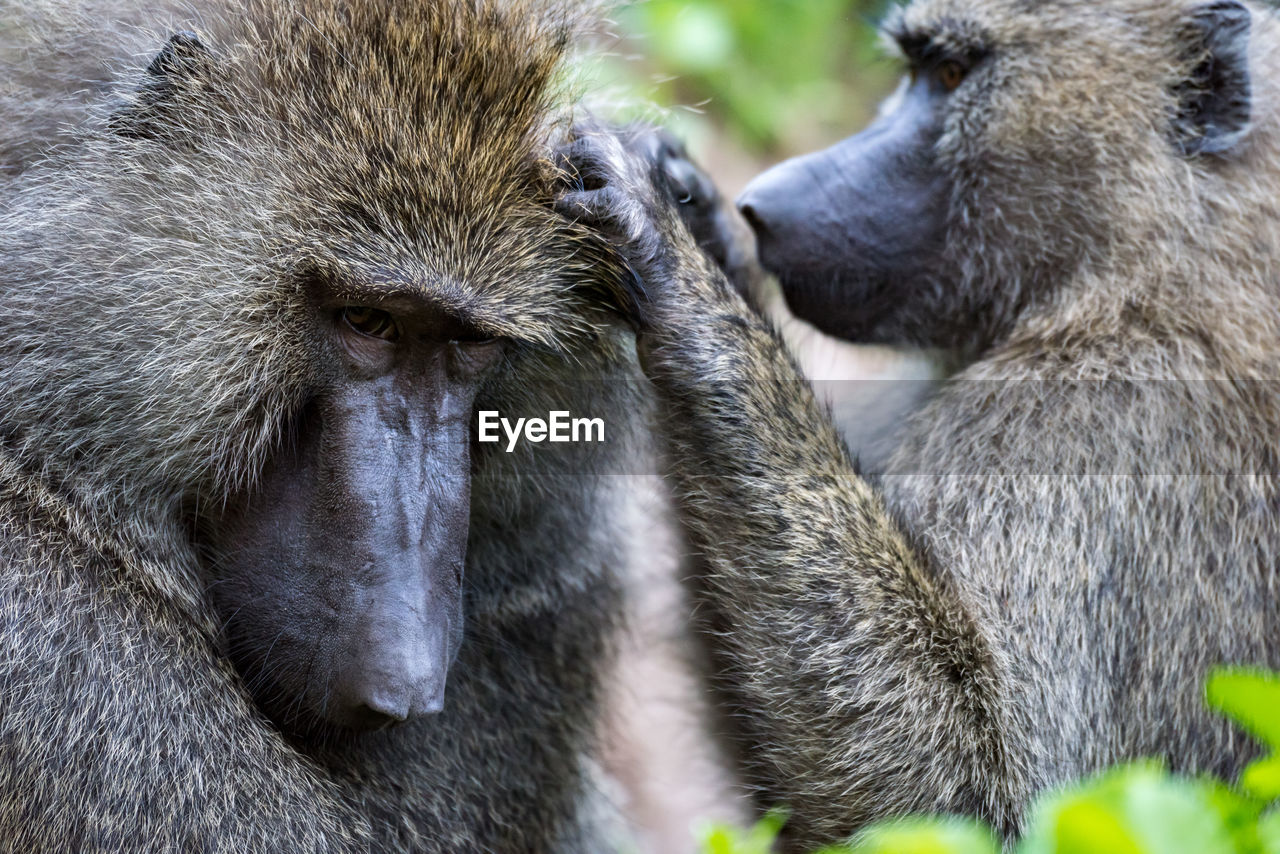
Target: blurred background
<point x="747" y="84"/>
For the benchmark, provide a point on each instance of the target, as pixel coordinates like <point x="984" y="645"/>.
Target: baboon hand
<point x="714" y="221"/>
<point x="643" y="194"/>
<point x="613" y="187"/>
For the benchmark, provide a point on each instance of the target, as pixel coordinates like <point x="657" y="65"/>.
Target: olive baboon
<point x="251" y="303"/>
<point x="1082" y="198"/>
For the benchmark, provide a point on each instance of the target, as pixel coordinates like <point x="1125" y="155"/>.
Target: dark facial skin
<point x="857" y="233"/>
<point x="339" y="577"/>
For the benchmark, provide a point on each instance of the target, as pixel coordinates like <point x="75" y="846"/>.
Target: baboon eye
<point x="371" y="322"/>
<point x="469" y="339"/>
<point x="476" y="355"/>
<point x="951" y="74"/>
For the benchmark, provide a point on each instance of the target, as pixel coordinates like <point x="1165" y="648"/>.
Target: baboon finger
<point x="682" y="181"/>
<point x="591" y="161"/>
<point x="575" y="167"/>
<point x="603" y="209"/>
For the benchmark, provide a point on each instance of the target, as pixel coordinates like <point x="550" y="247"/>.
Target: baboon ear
<point x="178" y="64"/>
<point x="1215" y="101"/>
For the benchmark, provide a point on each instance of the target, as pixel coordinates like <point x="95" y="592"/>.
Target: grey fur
<point x="152" y="339"/>
<point x="1078" y="525"/>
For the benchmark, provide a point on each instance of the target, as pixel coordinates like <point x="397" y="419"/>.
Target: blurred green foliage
<point x="779" y="75"/>
<point x="759" y="839"/>
<point x="1138" y="808"/>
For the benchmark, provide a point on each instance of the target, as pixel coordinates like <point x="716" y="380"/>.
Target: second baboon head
<point x="1028" y="141"/>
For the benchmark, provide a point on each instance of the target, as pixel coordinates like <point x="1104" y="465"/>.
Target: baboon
<point x="251" y="302"/>
<point x="1081" y="199"/>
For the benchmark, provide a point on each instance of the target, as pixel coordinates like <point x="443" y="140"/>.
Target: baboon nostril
<point x="750" y="215"/>
<point x="375" y="708"/>
<point x="372" y="715"/>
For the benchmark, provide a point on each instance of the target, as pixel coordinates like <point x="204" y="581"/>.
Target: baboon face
<point x="342" y="571"/>
<point x="1023" y="138"/>
<point x="385" y="201"/>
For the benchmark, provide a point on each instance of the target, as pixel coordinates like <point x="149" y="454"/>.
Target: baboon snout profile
<point x="982" y="181"/>
<point x="800" y="211"/>
<point x="348" y="555"/>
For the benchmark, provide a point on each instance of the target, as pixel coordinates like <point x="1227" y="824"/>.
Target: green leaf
<point x="1269" y="832"/>
<point x="1084" y="827"/>
<point x="1249" y="696"/>
<point x="718" y="840"/>
<point x="1262" y="779"/>
<point x="1133" y="809"/>
<point x="924" y="836"/>
<point x="722" y="839"/>
<point x="1239" y="813"/>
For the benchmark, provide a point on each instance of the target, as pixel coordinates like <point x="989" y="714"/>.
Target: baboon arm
<point x="864" y="685"/>
<point x="121" y="732"/>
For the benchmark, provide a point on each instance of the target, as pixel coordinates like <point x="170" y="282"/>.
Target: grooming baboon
<point x="1081" y="197"/>
<point x="250" y="304"/>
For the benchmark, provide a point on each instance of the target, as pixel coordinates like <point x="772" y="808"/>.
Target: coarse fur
<point x="157" y="232"/>
<point x="1080" y="523"/>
